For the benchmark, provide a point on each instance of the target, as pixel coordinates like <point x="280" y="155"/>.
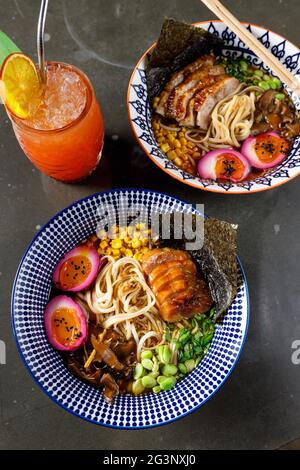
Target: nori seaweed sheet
<point x="217" y="259"/>
<point x="178" y="45"/>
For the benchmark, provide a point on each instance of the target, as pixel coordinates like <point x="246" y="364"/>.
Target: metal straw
<point x="41" y="41"/>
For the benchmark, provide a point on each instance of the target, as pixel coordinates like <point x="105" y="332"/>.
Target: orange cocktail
<point x="64" y="137"/>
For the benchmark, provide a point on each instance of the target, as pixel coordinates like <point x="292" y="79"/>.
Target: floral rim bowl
<point x="140" y="114"/>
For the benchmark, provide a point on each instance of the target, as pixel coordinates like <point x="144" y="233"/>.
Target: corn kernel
<point x="183" y="141"/>
<point x="122" y="234"/>
<point x="171" y="138"/>
<point x="102" y="234"/>
<point x="178" y="152"/>
<point x="196" y="155"/>
<point x="103" y="244"/>
<point x="136" y="234"/>
<point x="156" y="126"/>
<point x="190" y="145"/>
<point x="136" y="243"/>
<point x="165" y="148"/>
<point x="127" y="240"/>
<point x="161" y="140"/>
<point x="145" y="241"/>
<point x="181" y="134"/>
<point x="115" y="252"/>
<point x="145" y="250"/>
<point x="178" y="161"/>
<point x="177" y="144"/>
<point x="123" y="250"/>
<point x="109" y="251"/>
<point x="117" y="243"/>
<point x="137" y="256"/>
<point x="128" y="252"/>
<point x="171" y="154"/>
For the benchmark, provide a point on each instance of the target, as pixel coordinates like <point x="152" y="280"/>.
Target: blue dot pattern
<point x="31" y="294"/>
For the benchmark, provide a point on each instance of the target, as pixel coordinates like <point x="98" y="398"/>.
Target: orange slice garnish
<point x="21" y="86"/>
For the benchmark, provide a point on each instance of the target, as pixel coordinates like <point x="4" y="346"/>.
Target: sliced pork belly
<point x="176" y="105"/>
<point x="178" y="78"/>
<point x="206" y="99"/>
<point x="180" y="291"/>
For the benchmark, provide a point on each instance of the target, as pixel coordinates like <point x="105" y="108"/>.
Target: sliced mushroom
<point x="111" y="388"/>
<point x="106" y="354"/>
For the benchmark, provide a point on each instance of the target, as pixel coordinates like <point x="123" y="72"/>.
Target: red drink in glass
<point x="64" y="138"/>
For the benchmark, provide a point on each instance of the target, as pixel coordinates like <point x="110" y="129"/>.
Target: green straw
<point x="7" y="47"/>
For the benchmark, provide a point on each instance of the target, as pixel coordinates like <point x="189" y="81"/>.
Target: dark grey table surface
<point x="259" y="406"/>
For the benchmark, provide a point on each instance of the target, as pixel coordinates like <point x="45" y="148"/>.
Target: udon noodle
<point x="231" y="121"/>
<point x="122" y="300"/>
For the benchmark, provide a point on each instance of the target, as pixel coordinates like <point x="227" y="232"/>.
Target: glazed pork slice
<point x="176" y="105"/>
<point x="180" y="101"/>
<point x="206" y="99"/>
<point x="180" y="291"/>
<point x="179" y="77"/>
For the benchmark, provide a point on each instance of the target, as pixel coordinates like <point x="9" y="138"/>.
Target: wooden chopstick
<point x="254" y="44"/>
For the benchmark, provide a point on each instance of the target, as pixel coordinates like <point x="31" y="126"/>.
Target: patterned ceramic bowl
<point x="31" y="293"/>
<point x="140" y="114"/>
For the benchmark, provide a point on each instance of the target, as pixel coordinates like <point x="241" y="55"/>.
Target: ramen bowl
<point x="139" y="111"/>
<point x="31" y="293"/>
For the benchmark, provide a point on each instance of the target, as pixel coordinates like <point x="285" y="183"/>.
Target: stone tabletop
<point x="259" y="406"/>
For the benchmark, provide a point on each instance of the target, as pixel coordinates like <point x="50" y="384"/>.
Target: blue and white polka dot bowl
<point x="139" y="111"/>
<point x="31" y="293"/>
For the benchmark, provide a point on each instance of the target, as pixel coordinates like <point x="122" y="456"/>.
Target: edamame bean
<point x="278" y="82"/>
<point x="272" y="84"/>
<point x="146" y="354"/>
<point x="160" y="378"/>
<point x="154" y="374"/>
<point x="147" y="364"/>
<point x="182" y="368"/>
<point x="167" y="383"/>
<point x="137" y="387"/>
<point x="264" y="85"/>
<point x="266" y="77"/>
<point x="243" y="65"/>
<point x="280" y="96"/>
<point x="164" y="354"/>
<point x="169" y="369"/>
<point x="155" y="365"/>
<point x="258" y="73"/>
<point x="148" y="381"/>
<point x="156" y="389"/>
<point x="138" y="371"/>
<point x="189" y="365"/>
